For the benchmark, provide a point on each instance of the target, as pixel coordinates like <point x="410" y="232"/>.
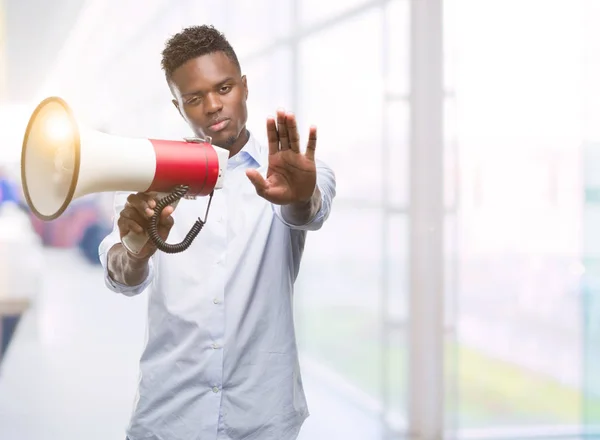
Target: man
<point x="220" y="361"/>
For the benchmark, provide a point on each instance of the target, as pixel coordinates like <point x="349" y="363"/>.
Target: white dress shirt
<point x="220" y="360"/>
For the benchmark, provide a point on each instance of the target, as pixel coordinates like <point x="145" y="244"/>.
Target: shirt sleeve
<point x="326" y="185"/>
<point x="108" y="242"/>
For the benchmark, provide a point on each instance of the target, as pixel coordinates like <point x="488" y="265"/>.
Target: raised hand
<point x="292" y="175"/>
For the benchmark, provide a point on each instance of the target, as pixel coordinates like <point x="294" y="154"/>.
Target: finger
<point x="141" y="208"/>
<point x="165" y="214"/>
<point x="272" y="136"/>
<point x="260" y="184"/>
<point x="142" y="203"/>
<point x="312" y="143"/>
<point x="150" y="198"/>
<point x="134" y="216"/>
<point x="167" y="211"/>
<point x="166" y="222"/>
<point x="292" y="129"/>
<point x="126" y="225"/>
<point x="284" y="141"/>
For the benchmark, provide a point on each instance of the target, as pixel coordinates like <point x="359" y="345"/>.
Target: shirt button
<point x="215" y="346"/>
<point x="216" y="301"/>
<point x="215" y="390"/>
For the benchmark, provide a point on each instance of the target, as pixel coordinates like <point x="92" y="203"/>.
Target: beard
<point x="230" y="139"/>
<point x="228" y="143"/>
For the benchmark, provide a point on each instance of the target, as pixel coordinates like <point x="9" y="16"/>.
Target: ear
<point x="245" y="83"/>
<point x="176" y="104"/>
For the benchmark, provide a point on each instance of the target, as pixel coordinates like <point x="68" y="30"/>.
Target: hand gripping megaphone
<point x="61" y="161"/>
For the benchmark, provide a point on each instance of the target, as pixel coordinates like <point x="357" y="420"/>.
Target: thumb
<point x="166" y="212"/>
<point x="165" y="218"/>
<point x="257" y="180"/>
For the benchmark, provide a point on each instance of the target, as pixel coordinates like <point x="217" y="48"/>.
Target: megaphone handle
<point x="135" y="242"/>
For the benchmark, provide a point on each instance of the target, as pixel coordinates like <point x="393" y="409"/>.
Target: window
<point x="397" y="159"/>
<point x="214" y="12"/>
<point x="253" y="26"/>
<point x="340" y="316"/>
<point x="591" y="216"/>
<point x="351" y="293"/>
<point x="397" y="45"/>
<point x="312" y="11"/>
<point x="344" y="99"/>
<point x="269" y="88"/>
<point x="518" y="312"/>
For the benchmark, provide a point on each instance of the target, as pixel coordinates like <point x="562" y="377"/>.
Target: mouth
<point x="219" y="125"/>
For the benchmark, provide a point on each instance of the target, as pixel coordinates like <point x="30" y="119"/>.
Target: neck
<point x="239" y="143"/>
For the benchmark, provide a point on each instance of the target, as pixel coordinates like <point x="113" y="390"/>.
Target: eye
<point x="225" y="89"/>
<point x="193" y="101"/>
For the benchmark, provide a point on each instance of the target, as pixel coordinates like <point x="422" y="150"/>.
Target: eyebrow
<point x="200" y="92"/>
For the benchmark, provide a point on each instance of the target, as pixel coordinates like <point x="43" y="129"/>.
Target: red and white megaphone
<point x="61" y="161"/>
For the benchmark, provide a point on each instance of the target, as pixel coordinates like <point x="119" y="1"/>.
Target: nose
<point x="213" y="103"/>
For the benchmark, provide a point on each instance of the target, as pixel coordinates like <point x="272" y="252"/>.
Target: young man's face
<point x="211" y="95"/>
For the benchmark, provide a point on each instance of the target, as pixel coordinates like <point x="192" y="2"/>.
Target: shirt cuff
<point x="116" y="286"/>
<point x="313" y="224"/>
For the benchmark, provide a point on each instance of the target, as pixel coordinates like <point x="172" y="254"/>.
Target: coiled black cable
<point x="161" y="204"/>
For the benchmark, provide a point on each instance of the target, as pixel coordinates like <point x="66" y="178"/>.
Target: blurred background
<point x="453" y="293"/>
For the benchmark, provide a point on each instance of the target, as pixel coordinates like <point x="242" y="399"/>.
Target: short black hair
<point x="193" y="42"/>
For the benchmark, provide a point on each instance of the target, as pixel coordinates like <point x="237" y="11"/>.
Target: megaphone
<point x="61" y="161"/>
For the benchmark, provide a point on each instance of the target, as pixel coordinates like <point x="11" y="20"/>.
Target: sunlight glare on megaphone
<point x="58" y="126"/>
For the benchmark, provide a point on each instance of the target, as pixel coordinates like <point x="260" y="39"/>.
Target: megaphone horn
<point x="61" y="161"/>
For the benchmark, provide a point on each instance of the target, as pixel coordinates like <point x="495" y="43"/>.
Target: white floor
<point x="71" y="371"/>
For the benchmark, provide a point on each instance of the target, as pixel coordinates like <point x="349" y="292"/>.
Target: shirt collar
<point x="254" y="150"/>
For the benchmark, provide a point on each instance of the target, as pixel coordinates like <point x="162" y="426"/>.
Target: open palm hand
<point x="292" y="175"/>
